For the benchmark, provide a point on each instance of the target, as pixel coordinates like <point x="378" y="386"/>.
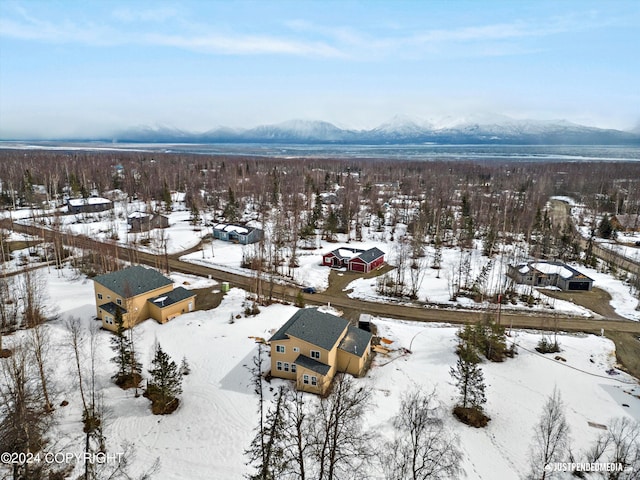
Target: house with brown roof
<point x="313" y="346"/>
<point x="626" y="222"/>
<point x="139" y="293"/>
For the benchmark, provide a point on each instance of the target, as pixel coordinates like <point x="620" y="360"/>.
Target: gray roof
<point x="370" y="255"/>
<point x="112" y="308"/>
<point x="177" y="295"/>
<point x="530" y="265"/>
<point x="321" y="329"/>
<point x="355" y="341"/>
<point x="133" y="281"/>
<point x="312" y="364"/>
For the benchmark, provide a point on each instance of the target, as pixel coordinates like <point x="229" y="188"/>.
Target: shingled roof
<point x="321" y="329"/>
<point x="167" y="299"/>
<point x="313" y="365"/>
<point x="133" y="281"/>
<point x="370" y="255"/>
<point x="355" y="341"/>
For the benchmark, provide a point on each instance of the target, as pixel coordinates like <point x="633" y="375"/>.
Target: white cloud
<point x="242" y="44"/>
<point x="161" y="14"/>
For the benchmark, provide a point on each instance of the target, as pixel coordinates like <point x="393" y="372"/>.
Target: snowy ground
<point x="205" y="438"/>
<point x="435" y="288"/>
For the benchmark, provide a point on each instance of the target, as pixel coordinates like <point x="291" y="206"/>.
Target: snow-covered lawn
<point x="435" y="287"/>
<point x="205" y="438"/>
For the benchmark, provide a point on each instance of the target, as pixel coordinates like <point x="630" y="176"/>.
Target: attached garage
<point x="585" y="286"/>
<point x="367" y="261"/>
<point x="357" y="266"/>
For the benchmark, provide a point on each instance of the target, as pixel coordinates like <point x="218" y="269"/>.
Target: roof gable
<point x="369" y="256"/>
<point x="355" y="341"/>
<point x="308" y="324"/>
<point x="167" y="299"/>
<point x="313" y="365"/>
<point x="133" y="281"/>
<point x="543" y="268"/>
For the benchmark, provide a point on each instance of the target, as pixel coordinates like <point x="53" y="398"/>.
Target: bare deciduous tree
<point x="340" y="446"/>
<point x="24" y="422"/>
<point x="619" y="446"/>
<point x="423" y="448"/>
<point x="39" y="344"/>
<point x="551" y="438"/>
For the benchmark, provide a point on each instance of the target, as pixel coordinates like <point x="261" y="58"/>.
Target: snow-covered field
<point x="435" y="286"/>
<point x="205" y="438"/>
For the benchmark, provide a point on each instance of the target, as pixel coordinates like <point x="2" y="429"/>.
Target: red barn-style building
<point x="354" y="260"/>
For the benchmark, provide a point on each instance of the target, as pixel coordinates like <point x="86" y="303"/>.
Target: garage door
<point x="578" y="285"/>
<point x="358" y="267"/>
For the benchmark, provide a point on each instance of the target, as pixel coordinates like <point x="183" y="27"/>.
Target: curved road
<point x="517" y="319"/>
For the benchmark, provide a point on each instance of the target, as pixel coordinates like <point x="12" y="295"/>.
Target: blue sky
<point x="83" y="68"/>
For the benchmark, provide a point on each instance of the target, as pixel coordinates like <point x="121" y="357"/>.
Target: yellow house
<point x="139" y="293"/>
<point x="313" y="346"/>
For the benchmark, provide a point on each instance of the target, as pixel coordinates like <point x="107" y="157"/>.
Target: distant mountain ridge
<point x="399" y="130"/>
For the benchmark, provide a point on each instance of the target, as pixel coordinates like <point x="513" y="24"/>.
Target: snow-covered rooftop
<point x="138" y="215"/>
<point x="552" y="269"/>
<point x="77" y="202"/>
<point x="348" y="253"/>
<point x="231" y="228"/>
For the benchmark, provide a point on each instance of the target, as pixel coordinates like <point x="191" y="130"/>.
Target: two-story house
<point x="313" y="346"/>
<point x="139" y="293"/>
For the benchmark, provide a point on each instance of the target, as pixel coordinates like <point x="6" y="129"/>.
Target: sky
<point x="70" y="68"/>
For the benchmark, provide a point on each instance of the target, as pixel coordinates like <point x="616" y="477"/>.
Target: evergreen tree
<point x="185" y="369"/>
<point x="166" y="197"/>
<point x="128" y="374"/>
<point x="230" y="212"/>
<point x="316" y="214"/>
<point x="300" y="303"/>
<point x="469" y="378"/>
<point x="331" y="226"/>
<point x="195" y="216"/>
<point x="165" y="384"/>
<point x="605" y="229"/>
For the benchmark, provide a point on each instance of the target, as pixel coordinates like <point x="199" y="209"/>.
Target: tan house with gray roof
<point x="313" y="346"/>
<point x="139" y="293"/>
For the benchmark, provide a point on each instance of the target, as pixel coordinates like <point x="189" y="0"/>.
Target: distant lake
<point x="426" y="152"/>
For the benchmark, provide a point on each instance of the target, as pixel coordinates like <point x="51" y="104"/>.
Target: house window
<point x="315" y="354"/>
<point x="280" y="348"/>
<point x="99" y="296"/>
<point x="286" y="367"/>
<point x="296" y="349"/>
<point x="293" y="368"/>
<point x="119" y="301"/>
<point x="314" y="381"/>
<point x="279" y="366"/>
<point x="305" y="379"/>
<point x="191" y="306"/>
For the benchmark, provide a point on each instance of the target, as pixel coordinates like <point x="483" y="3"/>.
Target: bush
<point x="160" y="405"/>
<point x="547" y="346"/>
<point x="128" y="381"/>
<point x="299" y="300"/>
<point x="471" y="416"/>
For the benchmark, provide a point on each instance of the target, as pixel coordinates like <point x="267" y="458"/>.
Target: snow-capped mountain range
<point x="399" y="130"/>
